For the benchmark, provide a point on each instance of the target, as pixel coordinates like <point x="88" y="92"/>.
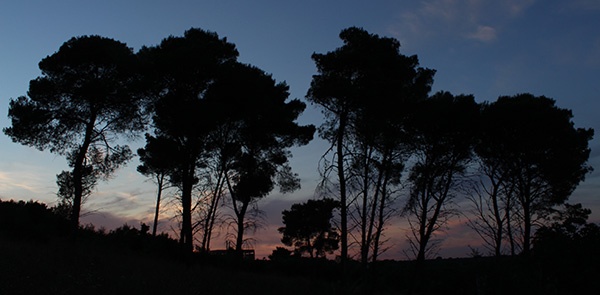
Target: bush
<point x="31" y="220"/>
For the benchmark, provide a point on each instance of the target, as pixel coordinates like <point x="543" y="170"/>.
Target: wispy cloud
<point x="516" y="7"/>
<point x="24" y="184"/>
<point x="478" y="20"/>
<point x="483" y="34"/>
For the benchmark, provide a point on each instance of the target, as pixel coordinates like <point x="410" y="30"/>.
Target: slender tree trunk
<point x="509" y="232"/>
<point x="422" y="227"/>
<point x="378" y="190"/>
<point x="381" y="213"/>
<point x="78" y="175"/>
<point x="439" y="202"/>
<point x="498" y="217"/>
<point x="526" y="227"/>
<point x="186" y="238"/>
<point x="241" y="215"/>
<point x="160" y="180"/>
<point x="212" y="212"/>
<point x="365" y="228"/>
<point x="342" y="180"/>
<point x="525" y="200"/>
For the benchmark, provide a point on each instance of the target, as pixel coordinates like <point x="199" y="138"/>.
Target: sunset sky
<point x="482" y="47"/>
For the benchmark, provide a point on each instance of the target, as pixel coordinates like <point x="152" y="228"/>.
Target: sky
<point x="485" y="48"/>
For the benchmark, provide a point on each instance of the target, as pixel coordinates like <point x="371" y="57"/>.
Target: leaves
<point x="308" y="228"/>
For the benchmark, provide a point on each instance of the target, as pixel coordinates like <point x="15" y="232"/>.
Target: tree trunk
<point x="498" y="217"/>
<point x="160" y="180"/>
<point x="212" y="212"/>
<point x="241" y="215"/>
<point x="526" y="228"/>
<point x="365" y="228"/>
<point x="422" y="228"/>
<point x="78" y="175"/>
<point x="380" y="215"/>
<point x="342" y="180"/>
<point x="186" y="237"/>
<point x="509" y="233"/>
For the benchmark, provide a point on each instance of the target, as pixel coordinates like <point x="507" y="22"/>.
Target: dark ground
<point x="37" y="256"/>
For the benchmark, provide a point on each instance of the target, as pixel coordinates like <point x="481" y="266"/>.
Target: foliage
<point x="307" y="227"/>
<point x="156" y="163"/>
<point x="222" y="121"/>
<point x="281" y="254"/>
<point x="444" y="131"/>
<point x="31" y="220"/>
<point x="535" y="148"/>
<point x="256" y="127"/>
<point x="66" y="190"/>
<point x="364" y="90"/>
<point x="85" y="98"/>
<point x="225" y="129"/>
<point x="569" y="233"/>
<point x="180" y="70"/>
<point x="569" y="249"/>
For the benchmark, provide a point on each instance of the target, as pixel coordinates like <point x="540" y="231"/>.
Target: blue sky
<point x="485" y="48"/>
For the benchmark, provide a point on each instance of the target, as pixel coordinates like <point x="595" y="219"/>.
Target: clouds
<point x="21" y="181"/>
<point x="483" y="34"/>
<point x="475" y="20"/>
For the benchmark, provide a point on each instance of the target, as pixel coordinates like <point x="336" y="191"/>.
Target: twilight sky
<point x="482" y="47"/>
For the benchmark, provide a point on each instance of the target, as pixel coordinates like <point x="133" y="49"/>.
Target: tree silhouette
<point x="255" y="129"/>
<point x="66" y="190"/>
<point x="83" y="101"/>
<point x="308" y="227"/>
<point x="156" y="163"/>
<point x="568" y="250"/>
<point x="492" y="205"/>
<point x="540" y="153"/>
<point x="444" y="130"/>
<point x="181" y="69"/>
<point x="363" y="88"/>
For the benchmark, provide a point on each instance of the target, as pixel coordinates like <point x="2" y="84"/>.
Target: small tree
<point x="157" y="164"/>
<point x="66" y="190"/>
<point x="280" y="254"/>
<point x="308" y="227"/>
<point x="85" y="98"/>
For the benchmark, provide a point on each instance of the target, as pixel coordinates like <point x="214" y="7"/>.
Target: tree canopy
<point x="222" y="131"/>
<point x="256" y="126"/>
<point x="363" y="88"/>
<point x="443" y="135"/>
<point x="85" y="98"/>
<point x="180" y="70"/>
<point x="536" y="147"/>
<point x="227" y="119"/>
<point x="307" y="227"/>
